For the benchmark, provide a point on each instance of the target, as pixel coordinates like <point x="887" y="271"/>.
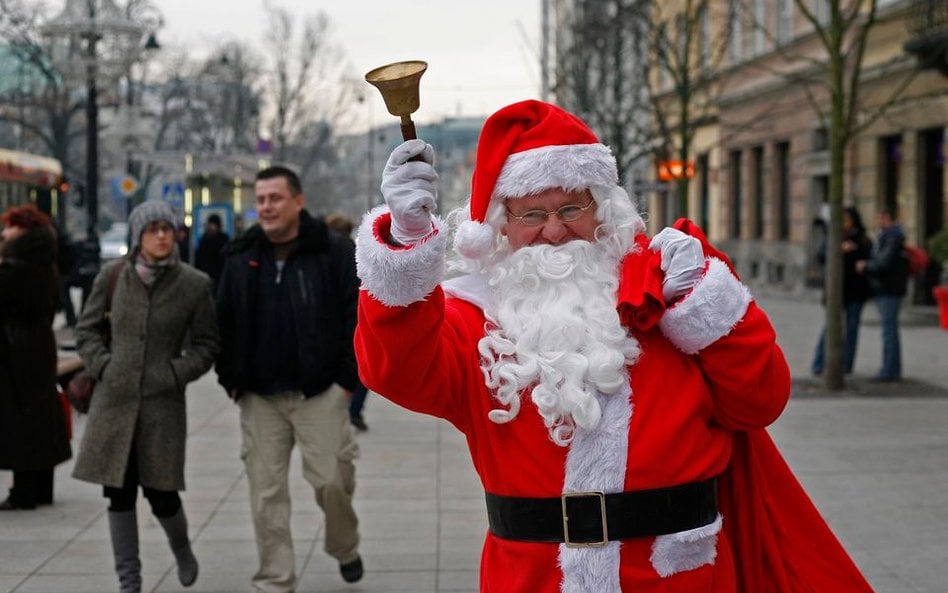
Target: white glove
<point x="409" y="190"/>
<point x="682" y="262"/>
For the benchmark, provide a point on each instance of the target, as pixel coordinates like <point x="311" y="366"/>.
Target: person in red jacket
<point x="600" y="378"/>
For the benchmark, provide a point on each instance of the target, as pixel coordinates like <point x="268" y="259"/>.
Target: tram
<point x="26" y="177"/>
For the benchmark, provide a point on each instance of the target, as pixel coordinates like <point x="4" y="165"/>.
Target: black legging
<point x="164" y="503"/>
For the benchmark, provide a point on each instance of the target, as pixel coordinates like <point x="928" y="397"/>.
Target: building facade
<point x="761" y="163"/>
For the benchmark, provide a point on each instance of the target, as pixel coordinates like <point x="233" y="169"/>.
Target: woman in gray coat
<point x="161" y="335"/>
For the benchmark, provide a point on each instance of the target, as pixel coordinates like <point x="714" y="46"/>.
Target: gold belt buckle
<point x="602" y="513"/>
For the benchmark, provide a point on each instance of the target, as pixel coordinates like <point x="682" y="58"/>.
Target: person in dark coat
<point x="287" y="312"/>
<point x="856" y="246"/>
<point x="163" y="335"/>
<point x="208" y="257"/>
<point x="33" y="432"/>
<point x="887" y="270"/>
<point x="66" y="259"/>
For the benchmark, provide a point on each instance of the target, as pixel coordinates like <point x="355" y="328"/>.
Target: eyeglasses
<point x="567" y="213"/>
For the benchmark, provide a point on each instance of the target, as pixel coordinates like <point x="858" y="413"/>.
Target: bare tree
<point x="308" y="91"/>
<point x="41" y="103"/>
<point x="842" y="31"/>
<point x="688" y="58"/>
<point x="600" y="73"/>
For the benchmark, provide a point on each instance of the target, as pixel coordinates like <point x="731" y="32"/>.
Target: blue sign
<point x="173" y="193"/>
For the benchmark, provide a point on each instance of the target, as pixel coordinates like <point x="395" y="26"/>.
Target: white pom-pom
<point x="473" y="240"/>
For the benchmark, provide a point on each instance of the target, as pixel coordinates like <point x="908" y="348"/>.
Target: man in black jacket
<point x="286" y="305"/>
<point x="887" y="269"/>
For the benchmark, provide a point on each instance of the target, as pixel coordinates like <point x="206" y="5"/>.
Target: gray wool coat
<point x="163" y="337"/>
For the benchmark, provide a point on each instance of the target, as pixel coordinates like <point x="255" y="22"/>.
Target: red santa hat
<point x="524" y="149"/>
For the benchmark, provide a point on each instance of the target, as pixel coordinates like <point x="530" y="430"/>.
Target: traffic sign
<point x="173" y="193"/>
<point x="127" y="186"/>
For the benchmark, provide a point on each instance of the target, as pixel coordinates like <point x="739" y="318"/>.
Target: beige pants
<point x="270" y="426"/>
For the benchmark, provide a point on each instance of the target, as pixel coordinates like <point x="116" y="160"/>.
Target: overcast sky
<point x="481" y="54"/>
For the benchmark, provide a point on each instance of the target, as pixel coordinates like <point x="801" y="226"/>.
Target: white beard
<point x="555" y="330"/>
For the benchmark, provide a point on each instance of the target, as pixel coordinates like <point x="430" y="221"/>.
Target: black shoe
<point x="352" y="571"/>
<point x="357" y="421"/>
<point x="12" y="505"/>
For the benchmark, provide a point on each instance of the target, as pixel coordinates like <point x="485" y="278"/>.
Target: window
<point x="760" y="12"/>
<point x="662" y="56"/>
<point x="783" y="191"/>
<point x="820" y="140"/>
<point x="736" y="194"/>
<point x="704" y="191"/>
<point x="757" y="231"/>
<point x="704" y="39"/>
<point x="737" y="33"/>
<point x="784" y="15"/>
<point x="821" y="10"/>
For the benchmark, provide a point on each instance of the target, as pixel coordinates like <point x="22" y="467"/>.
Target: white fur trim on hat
<point x="571" y="167"/>
<point x="709" y="312"/>
<point x="397" y="277"/>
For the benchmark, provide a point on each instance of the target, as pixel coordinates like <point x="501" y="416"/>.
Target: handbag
<point x="80" y="388"/>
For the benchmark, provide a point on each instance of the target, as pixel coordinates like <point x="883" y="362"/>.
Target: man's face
<point x="884" y="220"/>
<point x="552" y="217"/>
<point x="278" y="209"/>
<point x="9" y="233"/>
<point x="157" y="240"/>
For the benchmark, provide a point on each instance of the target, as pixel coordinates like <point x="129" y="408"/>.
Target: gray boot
<point x="176" y="527"/>
<point x="123" y="529"/>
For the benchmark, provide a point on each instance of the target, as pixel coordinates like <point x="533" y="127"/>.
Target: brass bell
<point x="398" y="84"/>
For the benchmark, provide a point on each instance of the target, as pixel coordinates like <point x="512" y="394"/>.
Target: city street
<point x="873" y="457"/>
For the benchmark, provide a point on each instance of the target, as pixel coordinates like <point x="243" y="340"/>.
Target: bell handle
<point x="408" y="128"/>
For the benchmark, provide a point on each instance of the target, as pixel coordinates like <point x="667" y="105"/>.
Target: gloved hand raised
<point x="682" y="262"/>
<point x="409" y="190"/>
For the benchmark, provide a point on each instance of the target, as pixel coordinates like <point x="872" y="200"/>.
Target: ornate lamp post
<point x="92" y="41"/>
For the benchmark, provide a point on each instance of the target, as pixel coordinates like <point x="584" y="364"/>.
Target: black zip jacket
<point x="323" y="292"/>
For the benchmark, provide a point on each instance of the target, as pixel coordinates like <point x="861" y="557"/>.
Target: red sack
<point x="917" y="260"/>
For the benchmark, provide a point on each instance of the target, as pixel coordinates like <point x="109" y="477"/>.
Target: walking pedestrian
<point x="612" y="390"/>
<point x="156" y="334"/>
<point x="33" y="432"/>
<point x="888" y="271"/>
<point x="856" y="246"/>
<point x="208" y="256"/>
<point x="67" y="257"/>
<point x="287" y="312"/>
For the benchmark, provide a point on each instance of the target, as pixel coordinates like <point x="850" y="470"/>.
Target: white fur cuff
<point x="687" y="550"/>
<point x="397" y="277"/>
<point x="715" y="305"/>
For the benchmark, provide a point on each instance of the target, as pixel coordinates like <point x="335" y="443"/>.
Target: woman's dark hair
<point x="25" y="217"/>
<point x="859" y="229"/>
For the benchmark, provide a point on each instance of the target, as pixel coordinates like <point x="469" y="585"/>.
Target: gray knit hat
<point x="146" y="213"/>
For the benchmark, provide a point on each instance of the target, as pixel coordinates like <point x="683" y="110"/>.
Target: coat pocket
<point x="686" y="550"/>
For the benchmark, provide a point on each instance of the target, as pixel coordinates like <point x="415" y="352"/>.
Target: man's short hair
<point x="214" y="219"/>
<point x="891" y="210"/>
<point x="292" y="179"/>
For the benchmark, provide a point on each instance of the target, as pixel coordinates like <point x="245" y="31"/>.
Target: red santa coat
<point x="709" y="367"/>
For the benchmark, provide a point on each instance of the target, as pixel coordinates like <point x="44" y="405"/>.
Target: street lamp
<point x="92" y="41"/>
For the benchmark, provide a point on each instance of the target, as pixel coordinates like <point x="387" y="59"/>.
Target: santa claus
<point x="605" y="383"/>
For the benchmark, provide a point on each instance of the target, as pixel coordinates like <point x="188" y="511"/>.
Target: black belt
<point x="593" y="518"/>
